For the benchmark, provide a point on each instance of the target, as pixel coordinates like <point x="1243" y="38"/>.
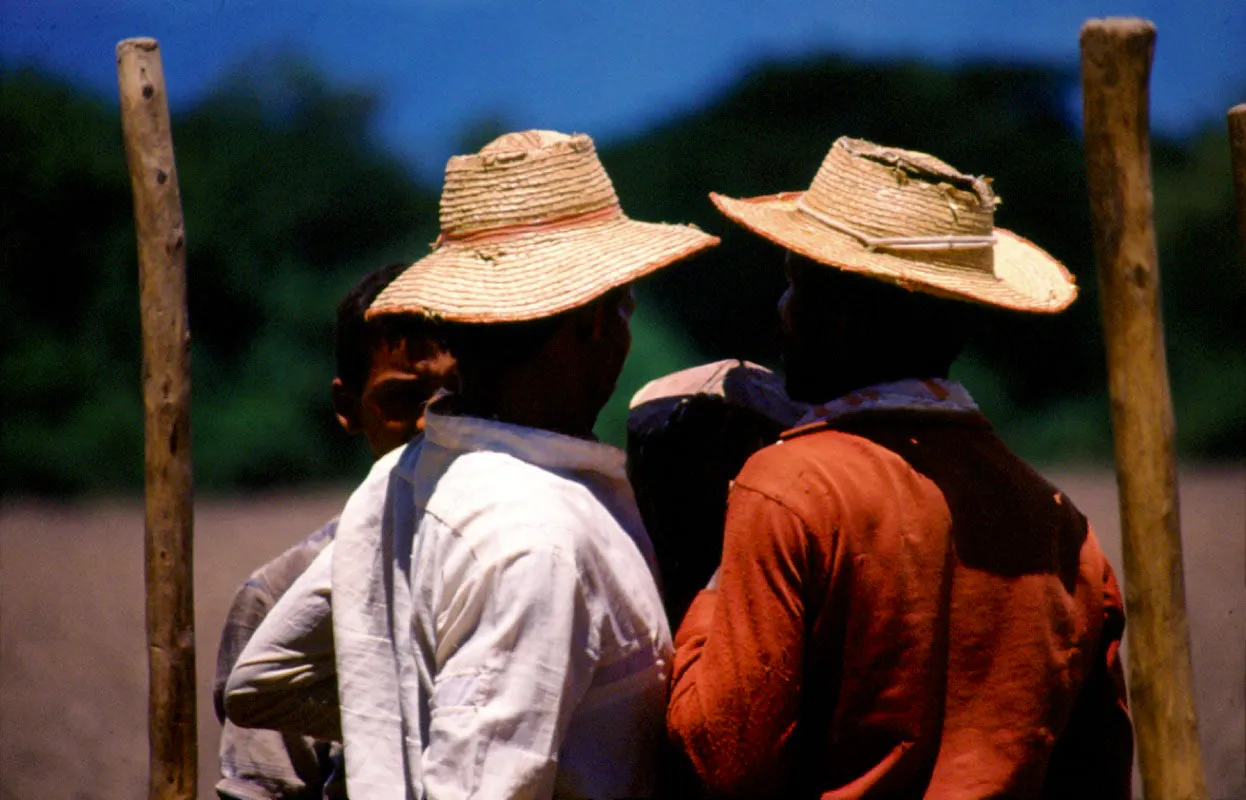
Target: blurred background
<point x="310" y="139"/>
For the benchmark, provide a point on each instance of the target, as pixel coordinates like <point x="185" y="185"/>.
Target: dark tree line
<point x="288" y="200"/>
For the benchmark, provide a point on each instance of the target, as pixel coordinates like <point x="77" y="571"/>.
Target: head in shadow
<point x="554" y="373"/>
<point x="842" y="332"/>
<point x="387" y="368"/>
<point x="688" y="435"/>
<point x="531" y="280"/>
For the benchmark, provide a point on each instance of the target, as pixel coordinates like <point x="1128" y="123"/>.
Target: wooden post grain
<point x="1237" y="147"/>
<point x="1116" y="68"/>
<point x="166" y="398"/>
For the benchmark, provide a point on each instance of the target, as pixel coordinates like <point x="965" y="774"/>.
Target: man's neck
<point x="833" y="390"/>
<point x="522" y="400"/>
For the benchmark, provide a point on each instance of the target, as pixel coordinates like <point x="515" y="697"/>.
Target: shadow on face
<point x="403" y="375"/>
<point x="608" y="344"/>
<point x="842" y="332"/>
<point x="554" y="373"/>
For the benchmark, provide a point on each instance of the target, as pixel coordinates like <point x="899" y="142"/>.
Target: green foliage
<point x="286" y="205"/>
<point x="69" y="365"/>
<point x="288" y="201"/>
<point x="1043" y="379"/>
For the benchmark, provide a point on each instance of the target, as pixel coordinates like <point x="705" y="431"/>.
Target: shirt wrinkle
<point x="947" y="656"/>
<point x="525" y="549"/>
<point x="778" y="501"/>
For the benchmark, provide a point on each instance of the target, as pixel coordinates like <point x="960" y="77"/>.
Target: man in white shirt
<point x="496" y="619"/>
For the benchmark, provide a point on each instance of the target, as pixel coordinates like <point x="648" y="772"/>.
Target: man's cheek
<point x="401" y="425"/>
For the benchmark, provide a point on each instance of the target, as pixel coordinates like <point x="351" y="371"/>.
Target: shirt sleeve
<point x="286" y="676"/>
<point x="1093" y="756"/>
<point x="517" y="634"/>
<point x="738" y="654"/>
<point x="250" y="605"/>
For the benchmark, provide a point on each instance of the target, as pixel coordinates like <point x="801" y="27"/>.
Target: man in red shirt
<point x="904" y="608"/>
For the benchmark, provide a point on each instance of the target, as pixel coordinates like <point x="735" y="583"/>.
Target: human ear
<point x="345" y="407"/>
<point x="610" y="308"/>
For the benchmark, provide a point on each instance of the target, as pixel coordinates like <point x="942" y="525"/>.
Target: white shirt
<point x="528" y="652"/>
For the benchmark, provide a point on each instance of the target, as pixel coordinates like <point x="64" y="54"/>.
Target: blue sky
<point x="608" y="68"/>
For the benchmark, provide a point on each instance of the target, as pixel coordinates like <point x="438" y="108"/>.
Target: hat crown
<point x="911" y="220"/>
<point x="889" y="193"/>
<point x="531" y="227"/>
<point x="524" y="179"/>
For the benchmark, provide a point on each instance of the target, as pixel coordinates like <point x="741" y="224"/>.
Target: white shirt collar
<point x="541" y="448"/>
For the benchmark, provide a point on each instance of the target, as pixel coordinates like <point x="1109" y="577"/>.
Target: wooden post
<point x="1237" y="148"/>
<point x="1116" y="69"/>
<point x="166" y="397"/>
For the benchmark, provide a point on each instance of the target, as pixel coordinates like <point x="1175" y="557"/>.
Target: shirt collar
<point x="939" y="395"/>
<point x="546" y="449"/>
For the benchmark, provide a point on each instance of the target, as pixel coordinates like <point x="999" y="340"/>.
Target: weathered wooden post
<point x="1237" y="148"/>
<point x="1116" y="69"/>
<point x="166" y="398"/>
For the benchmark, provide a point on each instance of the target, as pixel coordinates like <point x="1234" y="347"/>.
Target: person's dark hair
<point x="355" y="337"/>
<point x="493" y="347"/>
<point x="925" y="332"/>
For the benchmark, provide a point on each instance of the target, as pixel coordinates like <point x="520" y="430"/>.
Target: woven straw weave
<point x="887" y="192"/>
<point x="531" y="227"/>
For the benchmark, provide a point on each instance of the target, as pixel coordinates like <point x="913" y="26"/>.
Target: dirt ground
<point x="73" y="671"/>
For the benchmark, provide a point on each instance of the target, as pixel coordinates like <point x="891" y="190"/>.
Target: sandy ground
<point x="73" y="670"/>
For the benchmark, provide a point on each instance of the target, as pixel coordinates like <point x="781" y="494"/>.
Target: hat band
<point x="542" y="226"/>
<point x="966" y="242"/>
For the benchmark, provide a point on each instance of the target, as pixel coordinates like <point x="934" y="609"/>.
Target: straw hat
<point x="909" y="219"/>
<point x="531" y="227"/>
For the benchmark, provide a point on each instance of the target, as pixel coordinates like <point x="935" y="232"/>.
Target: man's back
<point x="539" y="651"/>
<point x="943" y="623"/>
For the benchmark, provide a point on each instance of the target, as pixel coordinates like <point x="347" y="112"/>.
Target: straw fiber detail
<point x="887" y="192"/>
<point x="890" y="192"/>
<point x="536" y="274"/>
<point x="492" y="190"/>
<point x="1025" y="278"/>
<point x="531" y="227"/>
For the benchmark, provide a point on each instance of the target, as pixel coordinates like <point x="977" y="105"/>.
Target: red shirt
<point x="905" y="609"/>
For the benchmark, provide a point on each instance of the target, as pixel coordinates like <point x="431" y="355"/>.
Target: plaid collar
<point x="938" y="395"/>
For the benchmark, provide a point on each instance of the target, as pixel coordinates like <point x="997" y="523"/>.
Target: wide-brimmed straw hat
<point x="531" y="227"/>
<point x="909" y="219"/>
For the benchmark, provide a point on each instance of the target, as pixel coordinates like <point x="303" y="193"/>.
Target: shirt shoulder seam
<point x="774" y="498"/>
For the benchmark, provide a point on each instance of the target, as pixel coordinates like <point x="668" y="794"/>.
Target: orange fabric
<point x="905" y="609"/>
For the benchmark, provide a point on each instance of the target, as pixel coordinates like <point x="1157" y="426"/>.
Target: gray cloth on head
<point x="688" y="435"/>
<point x="741" y="384"/>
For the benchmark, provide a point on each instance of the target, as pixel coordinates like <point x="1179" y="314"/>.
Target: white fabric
<point x="498" y="626"/>
<point x="372" y="733"/>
